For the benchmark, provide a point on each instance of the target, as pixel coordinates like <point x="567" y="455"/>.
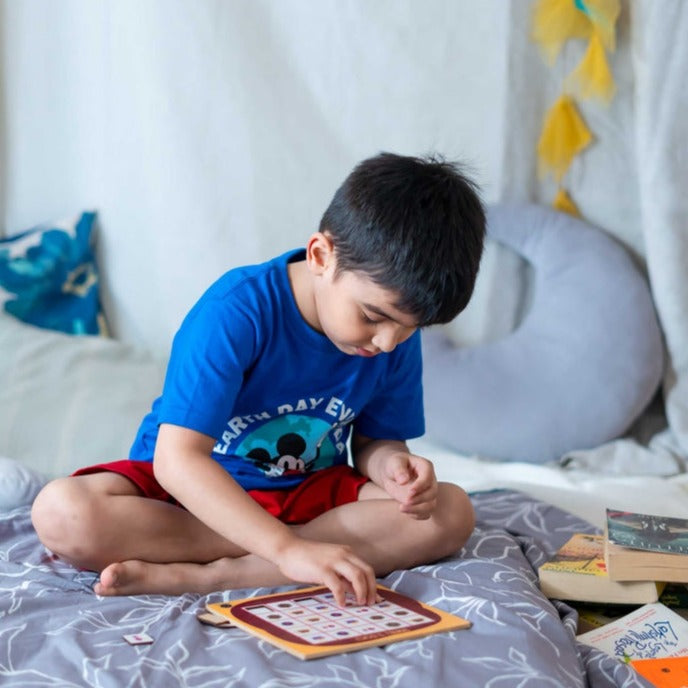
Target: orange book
<point x="308" y="623"/>
<point x="670" y="672"/>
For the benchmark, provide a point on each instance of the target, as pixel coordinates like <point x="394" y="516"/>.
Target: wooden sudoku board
<point x="308" y="623"/>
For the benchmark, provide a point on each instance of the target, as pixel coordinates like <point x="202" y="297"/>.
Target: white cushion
<point x="18" y="484"/>
<point x="67" y="401"/>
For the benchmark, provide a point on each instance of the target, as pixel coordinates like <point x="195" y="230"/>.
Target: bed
<point x="55" y="631"/>
<point x="66" y="401"/>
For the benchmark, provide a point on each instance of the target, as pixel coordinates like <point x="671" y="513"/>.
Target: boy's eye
<point x="367" y="319"/>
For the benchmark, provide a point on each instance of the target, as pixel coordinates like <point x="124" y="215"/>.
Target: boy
<point x="238" y="476"/>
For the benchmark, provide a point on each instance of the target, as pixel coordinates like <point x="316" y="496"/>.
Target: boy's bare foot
<point x="135" y="577"/>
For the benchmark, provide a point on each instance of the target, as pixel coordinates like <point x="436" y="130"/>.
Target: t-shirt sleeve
<point x="395" y="411"/>
<point x="210" y="353"/>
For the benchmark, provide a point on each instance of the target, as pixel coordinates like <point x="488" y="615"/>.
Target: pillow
<point x="579" y="368"/>
<point x="19" y="484"/>
<point x="68" y="402"/>
<point x="48" y="277"/>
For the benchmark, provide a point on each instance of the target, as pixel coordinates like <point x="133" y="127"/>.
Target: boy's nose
<point x="385" y="340"/>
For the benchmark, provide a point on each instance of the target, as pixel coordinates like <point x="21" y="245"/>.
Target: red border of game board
<point x="241" y="612"/>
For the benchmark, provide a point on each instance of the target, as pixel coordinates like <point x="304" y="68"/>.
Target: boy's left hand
<point x="411" y="480"/>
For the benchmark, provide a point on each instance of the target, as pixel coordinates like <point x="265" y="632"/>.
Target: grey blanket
<point x="54" y="631"/>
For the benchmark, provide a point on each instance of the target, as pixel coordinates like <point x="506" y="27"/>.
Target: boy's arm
<point x="407" y="478"/>
<point x="184" y="467"/>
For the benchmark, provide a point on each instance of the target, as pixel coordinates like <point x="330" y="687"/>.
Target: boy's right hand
<point x="335" y="566"/>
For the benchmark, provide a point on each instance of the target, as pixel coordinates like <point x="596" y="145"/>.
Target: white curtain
<point x="633" y="183"/>
<point x="211" y="133"/>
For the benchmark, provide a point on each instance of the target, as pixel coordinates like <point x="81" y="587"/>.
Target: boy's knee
<point x="457" y="516"/>
<point x="59" y="513"/>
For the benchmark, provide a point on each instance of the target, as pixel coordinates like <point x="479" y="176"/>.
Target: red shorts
<point x="320" y="492"/>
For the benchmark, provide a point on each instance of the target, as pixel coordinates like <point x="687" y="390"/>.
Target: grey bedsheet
<point x="55" y="632"/>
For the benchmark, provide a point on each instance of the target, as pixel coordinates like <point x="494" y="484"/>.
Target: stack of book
<point x="630" y="564"/>
<point x="640" y="560"/>
<point x="578" y="573"/>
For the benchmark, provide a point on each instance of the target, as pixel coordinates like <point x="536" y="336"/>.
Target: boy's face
<point x="357" y="315"/>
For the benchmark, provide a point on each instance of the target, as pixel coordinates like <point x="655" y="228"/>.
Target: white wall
<point x="212" y="133"/>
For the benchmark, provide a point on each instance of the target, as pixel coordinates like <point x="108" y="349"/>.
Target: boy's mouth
<point x="360" y="351"/>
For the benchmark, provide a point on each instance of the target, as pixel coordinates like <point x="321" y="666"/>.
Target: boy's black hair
<point x="415" y="226"/>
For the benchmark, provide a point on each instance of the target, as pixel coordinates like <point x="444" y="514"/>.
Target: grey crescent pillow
<point x="580" y="367"/>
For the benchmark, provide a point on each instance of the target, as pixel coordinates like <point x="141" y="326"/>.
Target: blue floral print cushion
<point x="48" y="277"/>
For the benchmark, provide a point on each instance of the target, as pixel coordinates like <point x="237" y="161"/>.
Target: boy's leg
<point x="373" y="527"/>
<point x="387" y="539"/>
<point x="96" y="519"/>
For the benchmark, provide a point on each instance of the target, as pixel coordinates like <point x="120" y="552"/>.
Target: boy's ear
<point x="320" y="253"/>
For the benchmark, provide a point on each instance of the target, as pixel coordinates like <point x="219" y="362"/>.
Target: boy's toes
<point x="110" y="578"/>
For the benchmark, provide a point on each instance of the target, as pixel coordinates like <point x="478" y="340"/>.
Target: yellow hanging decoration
<point x="554" y="22"/>
<point x="564" y="204"/>
<point x="564" y="135"/>
<point x="592" y="77"/>
<point x="603" y="15"/>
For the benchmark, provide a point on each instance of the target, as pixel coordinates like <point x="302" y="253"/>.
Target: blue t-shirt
<point x="279" y="398"/>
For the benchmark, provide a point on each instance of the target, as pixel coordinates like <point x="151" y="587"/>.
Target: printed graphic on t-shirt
<point x="296" y="438"/>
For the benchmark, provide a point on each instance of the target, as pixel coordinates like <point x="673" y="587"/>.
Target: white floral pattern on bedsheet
<point x="55" y="632"/>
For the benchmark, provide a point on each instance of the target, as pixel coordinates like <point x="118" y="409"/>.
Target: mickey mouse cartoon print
<point x="295" y="444"/>
<point x="290" y="448"/>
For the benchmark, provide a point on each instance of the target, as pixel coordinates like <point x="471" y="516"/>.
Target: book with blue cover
<point x="646" y="547"/>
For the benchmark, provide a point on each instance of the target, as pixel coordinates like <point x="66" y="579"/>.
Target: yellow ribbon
<point x="564" y="135"/>
<point x="592" y="77"/>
